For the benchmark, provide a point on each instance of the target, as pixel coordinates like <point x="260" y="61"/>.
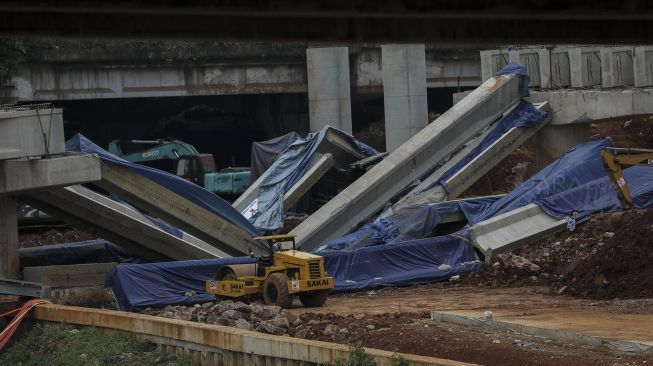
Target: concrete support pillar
<point x="9" y="266"/>
<point x="329" y="101"/>
<point x="404" y="92"/>
<point x="553" y="140"/>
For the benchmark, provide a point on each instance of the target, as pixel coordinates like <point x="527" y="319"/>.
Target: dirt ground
<point x="38" y="238"/>
<point x="415" y="333"/>
<point x="608" y="257"/>
<point x="398" y="319"/>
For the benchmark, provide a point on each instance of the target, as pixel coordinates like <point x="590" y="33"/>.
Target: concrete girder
<point x="117" y="223"/>
<point x="74" y="275"/>
<point x="480" y="165"/>
<point x="410" y="161"/>
<point x="178" y="211"/>
<point x="312" y="176"/>
<point x="512" y="229"/>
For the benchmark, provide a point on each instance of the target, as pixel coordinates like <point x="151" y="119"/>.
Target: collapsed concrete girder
<point x="473" y="170"/>
<point x="119" y="224"/>
<point x="163" y="203"/>
<point x="410" y="161"/>
<point x="512" y="229"/>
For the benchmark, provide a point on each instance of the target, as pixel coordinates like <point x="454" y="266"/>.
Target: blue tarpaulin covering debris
<point x="577" y="167"/>
<point x="138" y="286"/>
<point x="574" y="185"/>
<point x="265" y="152"/>
<point x="89" y="251"/>
<point x="418" y="221"/>
<point x="387" y="253"/>
<point x="182" y="187"/>
<point x="288" y="168"/>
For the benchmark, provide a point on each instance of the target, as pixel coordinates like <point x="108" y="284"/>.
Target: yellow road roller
<point x="278" y="277"/>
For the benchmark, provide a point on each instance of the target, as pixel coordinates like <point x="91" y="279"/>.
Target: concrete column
<point x="404" y="92"/>
<point x="9" y="266"/>
<point x="329" y="101"/>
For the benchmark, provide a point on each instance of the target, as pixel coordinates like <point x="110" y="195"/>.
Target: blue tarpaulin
<point x="598" y="196"/>
<point x="265" y="152"/>
<point x="522" y="116"/>
<point x="89" y="251"/>
<point x="182" y="187"/>
<point x="574" y="168"/>
<point x="138" y="286"/>
<point x="288" y="168"/>
<point x="514" y="68"/>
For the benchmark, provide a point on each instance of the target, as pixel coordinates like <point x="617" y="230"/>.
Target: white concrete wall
<point x="404" y="93"/>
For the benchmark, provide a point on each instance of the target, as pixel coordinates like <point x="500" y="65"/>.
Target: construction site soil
<point x="608" y="257"/>
<point x="415" y="333"/>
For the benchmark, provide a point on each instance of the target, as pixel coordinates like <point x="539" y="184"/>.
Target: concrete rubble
<point x="253" y="316"/>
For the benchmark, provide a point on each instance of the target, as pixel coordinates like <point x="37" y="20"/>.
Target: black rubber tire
<point x="275" y="290"/>
<point x="313" y="299"/>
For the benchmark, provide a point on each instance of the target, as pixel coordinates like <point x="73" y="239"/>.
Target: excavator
<point x="616" y="158"/>
<point x="183" y="159"/>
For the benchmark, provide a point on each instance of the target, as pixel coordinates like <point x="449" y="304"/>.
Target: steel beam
<point x="410" y="161"/>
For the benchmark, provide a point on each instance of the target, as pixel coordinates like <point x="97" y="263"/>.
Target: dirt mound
<point x="621" y="265"/>
<point x="608" y="257"/>
<point x="626" y="131"/>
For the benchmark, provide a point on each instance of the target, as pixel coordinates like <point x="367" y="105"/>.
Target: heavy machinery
<point x="183" y="160"/>
<point x="286" y="272"/>
<point x="614" y="159"/>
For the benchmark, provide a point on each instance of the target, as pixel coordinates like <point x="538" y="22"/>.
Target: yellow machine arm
<point x="614" y="159"/>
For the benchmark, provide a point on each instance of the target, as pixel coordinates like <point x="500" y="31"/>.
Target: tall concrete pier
<point x="329" y="99"/>
<point x="404" y="92"/>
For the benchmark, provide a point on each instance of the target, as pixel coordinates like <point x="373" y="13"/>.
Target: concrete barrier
<point x="219" y="345"/>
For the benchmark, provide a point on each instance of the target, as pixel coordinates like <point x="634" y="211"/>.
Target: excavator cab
<point x="190" y="168"/>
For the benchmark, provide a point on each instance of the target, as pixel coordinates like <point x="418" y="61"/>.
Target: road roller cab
<point x="286" y="272"/>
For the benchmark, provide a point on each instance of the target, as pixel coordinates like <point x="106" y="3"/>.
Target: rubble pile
<point x="608" y="257"/>
<point x="256" y="316"/>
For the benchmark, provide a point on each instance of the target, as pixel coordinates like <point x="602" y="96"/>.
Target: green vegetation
<point x="63" y="345"/>
<point x="357" y="357"/>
